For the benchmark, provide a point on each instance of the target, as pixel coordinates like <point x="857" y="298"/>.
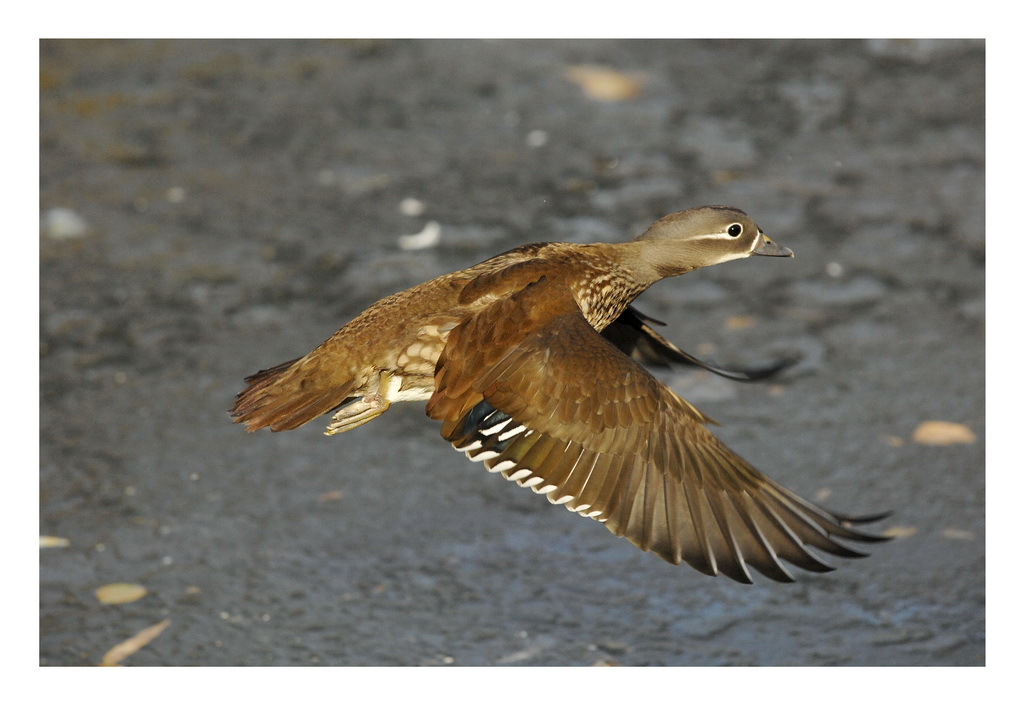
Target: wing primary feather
<point x="702" y="557"/>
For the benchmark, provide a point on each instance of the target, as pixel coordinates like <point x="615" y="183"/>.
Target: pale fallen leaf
<point x="894" y="441"/>
<point x="899" y="531"/>
<point x="117" y="593"/>
<point x="47" y="542"/>
<point x="724" y="176"/>
<point x="121" y="651"/>
<point x="410" y="206"/>
<point x="736" y="323"/>
<point x="63" y="224"/>
<point x="429" y="237"/>
<point x="954" y="533"/>
<point x="937" y="433"/>
<point x="706" y="348"/>
<point x="603" y="83"/>
<point x="522" y="655"/>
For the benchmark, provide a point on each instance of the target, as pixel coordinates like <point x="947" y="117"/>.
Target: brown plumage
<point x="531" y="362"/>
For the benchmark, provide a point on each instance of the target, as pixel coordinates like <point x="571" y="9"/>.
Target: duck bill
<point x="767" y="246"/>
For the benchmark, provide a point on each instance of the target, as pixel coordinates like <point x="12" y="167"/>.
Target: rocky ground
<point x="213" y="207"/>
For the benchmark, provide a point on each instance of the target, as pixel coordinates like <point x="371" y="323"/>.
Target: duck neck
<point x="655" y="260"/>
<point x="610" y="282"/>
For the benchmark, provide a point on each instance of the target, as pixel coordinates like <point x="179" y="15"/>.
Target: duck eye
<point x="735" y="229"/>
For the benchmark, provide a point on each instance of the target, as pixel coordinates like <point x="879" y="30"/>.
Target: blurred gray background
<point x="209" y="208"/>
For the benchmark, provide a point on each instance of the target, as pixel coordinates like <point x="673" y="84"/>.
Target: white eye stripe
<point x="714" y="236"/>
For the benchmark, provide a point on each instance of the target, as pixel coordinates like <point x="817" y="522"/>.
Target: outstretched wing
<point x="632" y="334"/>
<point x="530" y="389"/>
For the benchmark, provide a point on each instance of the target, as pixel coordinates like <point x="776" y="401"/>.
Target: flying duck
<point x="532" y="361"/>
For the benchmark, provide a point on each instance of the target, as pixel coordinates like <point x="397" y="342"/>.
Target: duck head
<point x="703" y="236"/>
